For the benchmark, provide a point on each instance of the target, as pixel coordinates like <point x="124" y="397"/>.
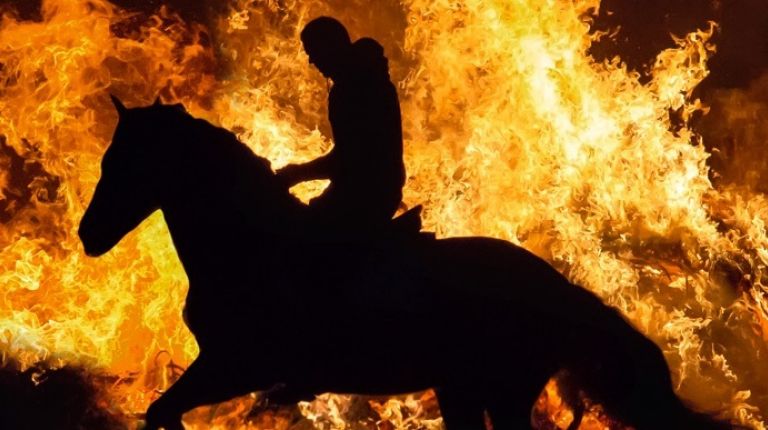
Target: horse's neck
<point x="217" y="213"/>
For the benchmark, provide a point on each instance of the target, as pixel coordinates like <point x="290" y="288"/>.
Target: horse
<point x="481" y="321"/>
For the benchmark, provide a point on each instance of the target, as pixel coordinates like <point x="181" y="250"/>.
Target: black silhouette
<point x="365" y="165"/>
<point x="484" y="322"/>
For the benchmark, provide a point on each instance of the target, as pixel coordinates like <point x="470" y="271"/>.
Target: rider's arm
<point x="319" y="168"/>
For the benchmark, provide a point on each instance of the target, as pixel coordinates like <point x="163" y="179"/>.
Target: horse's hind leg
<point x="509" y="413"/>
<point x="510" y="405"/>
<point x="568" y="388"/>
<point x="205" y="382"/>
<point x="461" y="409"/>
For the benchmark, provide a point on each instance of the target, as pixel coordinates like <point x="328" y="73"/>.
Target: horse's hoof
<point x="174" y="425"/>
<point x="157" y="420"/>
<point x="147" y="426"/>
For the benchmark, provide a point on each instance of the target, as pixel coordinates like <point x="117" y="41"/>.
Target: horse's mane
<point x="201" y="129"/>
<point x="221" y="147"/>
<point x="180" y="131"/>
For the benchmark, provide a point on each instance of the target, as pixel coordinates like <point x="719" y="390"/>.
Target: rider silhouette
<point x="365" y="165"/>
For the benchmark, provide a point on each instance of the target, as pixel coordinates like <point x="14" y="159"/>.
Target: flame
<point x="512" y="130"/>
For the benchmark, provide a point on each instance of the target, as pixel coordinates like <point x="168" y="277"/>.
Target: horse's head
<point x="129" y="189"/>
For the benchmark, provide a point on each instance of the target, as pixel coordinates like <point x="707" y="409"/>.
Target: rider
<point x="365" y="165"/>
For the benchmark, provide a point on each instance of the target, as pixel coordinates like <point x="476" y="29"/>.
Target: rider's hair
<point x="326" y="30"/>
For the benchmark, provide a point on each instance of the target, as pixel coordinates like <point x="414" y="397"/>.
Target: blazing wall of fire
<point x="512" y="130"/>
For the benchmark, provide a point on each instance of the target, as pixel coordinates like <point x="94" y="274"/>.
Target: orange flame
<point x="512" y="130"/>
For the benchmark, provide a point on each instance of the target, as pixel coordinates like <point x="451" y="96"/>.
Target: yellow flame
<point x="512" y="130"/>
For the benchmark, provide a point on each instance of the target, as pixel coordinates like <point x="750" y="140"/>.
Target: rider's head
<point x="328" y="45"/>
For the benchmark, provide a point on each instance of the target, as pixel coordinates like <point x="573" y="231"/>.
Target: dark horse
<point x="483" y="322"/>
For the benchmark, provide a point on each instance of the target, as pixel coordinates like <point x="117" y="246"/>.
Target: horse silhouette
<point x="483" y="322"/>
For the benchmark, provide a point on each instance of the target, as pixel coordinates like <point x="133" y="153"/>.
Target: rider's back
<point x="364" y="112"/>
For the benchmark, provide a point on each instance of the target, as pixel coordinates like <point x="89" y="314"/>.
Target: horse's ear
<point x="157" y="101"/>
<point x="121" y="109"/>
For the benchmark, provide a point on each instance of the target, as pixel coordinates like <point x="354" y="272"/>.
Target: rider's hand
<point x="288" y="175"/>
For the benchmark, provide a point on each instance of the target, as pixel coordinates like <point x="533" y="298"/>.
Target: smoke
<point x="642" y="29"/>
<point x="736" y="130"/>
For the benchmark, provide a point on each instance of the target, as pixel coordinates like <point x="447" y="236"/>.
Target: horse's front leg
<point x="461" y="408"/>
<point x="160" y="415"/>
<point x="205" y="382"/>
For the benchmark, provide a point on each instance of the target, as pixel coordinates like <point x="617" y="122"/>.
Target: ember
<point x="513" y="130"/>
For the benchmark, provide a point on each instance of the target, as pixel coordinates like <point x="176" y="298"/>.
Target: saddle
<point x="403" y="227"/>
<point x="408" y="223"/>
<point x="338" y="254"/>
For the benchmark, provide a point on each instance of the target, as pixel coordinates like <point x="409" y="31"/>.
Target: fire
<point x="512" y="130"/>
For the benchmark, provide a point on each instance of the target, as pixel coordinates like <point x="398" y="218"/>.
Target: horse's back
<point x="510" y="275"/>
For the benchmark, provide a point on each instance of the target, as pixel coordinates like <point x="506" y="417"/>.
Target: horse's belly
<point x="361" y="374"/>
